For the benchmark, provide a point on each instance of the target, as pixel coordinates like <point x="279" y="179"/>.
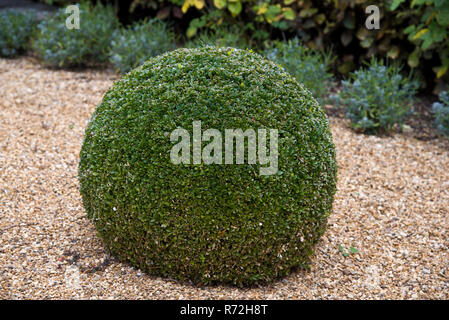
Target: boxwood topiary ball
<point x="216" y="222"/>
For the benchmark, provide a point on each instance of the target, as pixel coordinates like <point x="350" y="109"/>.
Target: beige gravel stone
<point x="391" y="205"/>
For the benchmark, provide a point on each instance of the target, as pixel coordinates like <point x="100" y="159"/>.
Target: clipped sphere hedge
<point x="208" y="223"/>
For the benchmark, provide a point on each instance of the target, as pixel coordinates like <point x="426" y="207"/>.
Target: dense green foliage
<point x="414" y="32"/>
<point x="310" y="67"/>
<point x="16" y="28"/>
<point x="208" y="223"/>
<point x="377" y="98"/>
<point x="132" y="46"/>
<point x="428" y="31"/>
<point x="223" y="36"/>
<point x="441" y="112"/>
<point x="59" y="46"/>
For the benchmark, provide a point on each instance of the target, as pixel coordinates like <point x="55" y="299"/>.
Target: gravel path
<point x="392" y="205"/>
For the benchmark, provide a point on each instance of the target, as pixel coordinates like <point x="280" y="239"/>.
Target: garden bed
<point x="391" y="207"/>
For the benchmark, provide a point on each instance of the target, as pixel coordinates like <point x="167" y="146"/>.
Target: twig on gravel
<point x="17" y="225"/>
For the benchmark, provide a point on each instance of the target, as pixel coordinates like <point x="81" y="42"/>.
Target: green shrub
<point x="59" y="46"/>
<point x="16" y="28"/>
<point x="310" y="67"/>
<point x="414" y="33"/>
<point x="208" y="223"/>
<point x="228" y="36"/>
<point x="377" y="97"/>
<point x="441" y="111"/>
<point x="411" y="32"/>
<point x="427" y="30"/>
<point x="133" y="46"/>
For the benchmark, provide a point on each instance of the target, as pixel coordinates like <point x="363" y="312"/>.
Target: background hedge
<point x="16" y="29"/>
<point x="414" y="32"/>
<point x="58" y="46"/>
<point x="208" y="223"/>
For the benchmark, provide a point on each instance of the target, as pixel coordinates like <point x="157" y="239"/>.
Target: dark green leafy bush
<point x="428" y="30"/>
<point x="133" y="46"/>
<point x="228" y="36"/>
<point x="441" y="111"/>
<point x="208" y="223"/>
<point x="377" y="98"/>
<point x="309" y="67"/>
<point x="16" y="28"/>
<point x="59" y="46"/>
